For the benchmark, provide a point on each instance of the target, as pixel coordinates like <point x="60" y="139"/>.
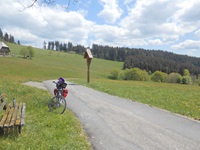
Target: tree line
<point x="7" y="37"/>
<point x="66" y="47"/>
<point x="149" y="60"/>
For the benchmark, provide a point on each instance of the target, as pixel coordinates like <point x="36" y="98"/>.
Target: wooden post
<point x="88" y="56"/>
<point x="88" y="74"/>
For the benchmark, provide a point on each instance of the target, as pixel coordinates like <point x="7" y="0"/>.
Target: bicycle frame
<point x="58" y="102"/>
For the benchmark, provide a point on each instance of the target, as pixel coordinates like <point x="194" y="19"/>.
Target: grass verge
<point x="42" y="130"/>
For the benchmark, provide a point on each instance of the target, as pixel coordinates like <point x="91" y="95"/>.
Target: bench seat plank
<point x="4" y="117"/>
<point x="17" y="122"/>
<point x="12" y="122"/>
<point x="13" y="116"/>
<point x="9" y="117"/>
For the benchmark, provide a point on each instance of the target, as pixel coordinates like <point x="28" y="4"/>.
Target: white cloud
<point x="197" y="33"/>
<point x="115" y="36"/>
<point x="152" y="18"/>
<point x="133" y="23"/>
<point x="155" y="42"/>
<point x="188" y="47"/>
<point x="111" y="11"/>
<point x="187" y="44"/>
<point x="44" y="23"/>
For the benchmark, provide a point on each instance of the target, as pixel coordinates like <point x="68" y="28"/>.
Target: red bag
<point x="55" y="91"/>
<point x="65" y="92"/>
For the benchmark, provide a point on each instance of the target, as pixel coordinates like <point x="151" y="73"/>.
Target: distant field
<point x="46" y="64"/>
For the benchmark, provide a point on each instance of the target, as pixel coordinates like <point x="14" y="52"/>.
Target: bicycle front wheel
<point x="57" y="105"/>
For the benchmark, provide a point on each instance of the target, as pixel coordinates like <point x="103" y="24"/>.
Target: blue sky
<point x="169" y="25"/>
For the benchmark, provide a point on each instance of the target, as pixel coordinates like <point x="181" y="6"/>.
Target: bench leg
<point x="1" y="131"/>
<point x="5" y="131"/>
<point x="20" y="129"/>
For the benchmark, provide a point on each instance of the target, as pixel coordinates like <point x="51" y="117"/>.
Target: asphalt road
<point x="114" y="123"/>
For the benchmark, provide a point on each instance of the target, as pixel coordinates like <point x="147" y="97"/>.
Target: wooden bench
<point x="13" y="119"/>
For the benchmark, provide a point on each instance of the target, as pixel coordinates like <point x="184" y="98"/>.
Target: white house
<point x="4" y="49"/>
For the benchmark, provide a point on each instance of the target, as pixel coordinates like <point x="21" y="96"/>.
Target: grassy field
<point x="47" y="130"/>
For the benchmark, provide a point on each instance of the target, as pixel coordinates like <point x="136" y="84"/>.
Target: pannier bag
<point x="64" y="94"/>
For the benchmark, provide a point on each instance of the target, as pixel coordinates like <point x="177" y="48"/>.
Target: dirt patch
<point x="39" y="85"/>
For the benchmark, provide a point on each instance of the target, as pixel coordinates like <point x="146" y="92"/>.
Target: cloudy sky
<point x="169" y="25"/>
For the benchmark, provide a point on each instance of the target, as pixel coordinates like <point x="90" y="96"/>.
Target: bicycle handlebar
<point x="62" y="85"/>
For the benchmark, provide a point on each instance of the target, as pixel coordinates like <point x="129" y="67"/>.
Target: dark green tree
<point x="1" y="34"/>
<point x="70" y="46"/>
<point x="11" y="39"/>
<point x="6" y="37"/>
<point x="57" y="45"/>
<point x="44" y="45"/>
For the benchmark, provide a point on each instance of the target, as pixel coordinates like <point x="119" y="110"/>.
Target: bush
<point x="135" y="74"/>
<point x="115" y="74"/>
<point x="27" y="52"/>
<point x="159" y="76"/>
<point x="175" y="78"/>
<point x="23" y="52"/>
<point x="30" y="51"/>
<point x="187" y="80"/>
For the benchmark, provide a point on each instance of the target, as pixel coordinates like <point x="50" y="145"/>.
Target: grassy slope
<point x="51" y="64"/>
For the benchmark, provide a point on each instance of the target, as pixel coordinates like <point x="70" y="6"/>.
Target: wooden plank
<point x="13" y="116"/>
<point x="4" y="117"/>
<point x="12" y="122"/>
<point x="23" y="114"/>
<point x="9" y="117"/>
<point x="17" y="122"/>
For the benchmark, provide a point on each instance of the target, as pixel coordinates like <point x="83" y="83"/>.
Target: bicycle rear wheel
<point x="57" y="105"/>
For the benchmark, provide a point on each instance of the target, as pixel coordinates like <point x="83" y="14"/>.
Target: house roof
<point x="2" y="44"/>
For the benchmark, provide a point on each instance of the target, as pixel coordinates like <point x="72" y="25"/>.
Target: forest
<point x="149" y="60"/>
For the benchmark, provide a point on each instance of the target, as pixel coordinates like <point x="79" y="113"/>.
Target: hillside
<point x="149" y="60"/>
<point x="162" y="61"/>
<point x="49" y="64"/>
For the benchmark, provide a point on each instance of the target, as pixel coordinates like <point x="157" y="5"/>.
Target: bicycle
<point x="58" y="103"/>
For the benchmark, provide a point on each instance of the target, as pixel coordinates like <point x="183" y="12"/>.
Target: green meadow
<point x="44" y="130"/>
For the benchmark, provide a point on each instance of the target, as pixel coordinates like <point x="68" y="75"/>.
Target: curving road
<point x="114" y="123"/>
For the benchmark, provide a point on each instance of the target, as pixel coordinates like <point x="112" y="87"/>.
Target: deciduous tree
<point x="30" y="52"/>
